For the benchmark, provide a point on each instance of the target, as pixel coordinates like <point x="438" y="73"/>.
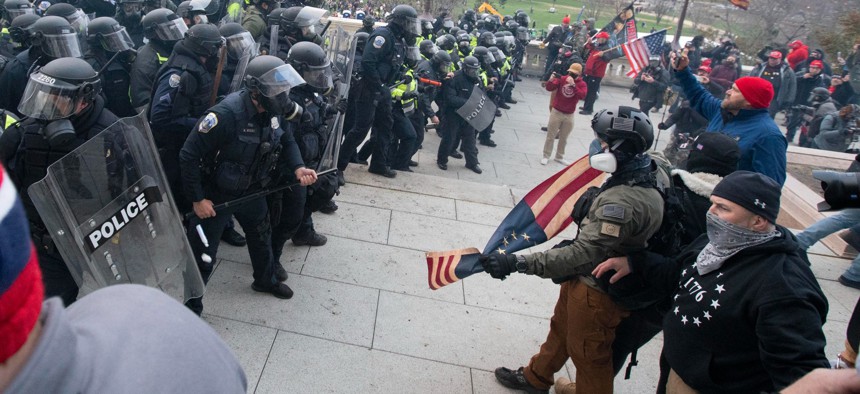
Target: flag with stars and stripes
<point x="639" y="50"/>
<point x="539" y="216"/>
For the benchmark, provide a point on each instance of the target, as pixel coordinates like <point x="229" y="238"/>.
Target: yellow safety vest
<point x="398" y="91"/>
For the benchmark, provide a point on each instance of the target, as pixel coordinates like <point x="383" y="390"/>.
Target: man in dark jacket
<point x="163" y="29"/>
<point x="780" y="75"/>
<point x="554" y="41"/>
<point x="807" y="80"/>
<point x="456" y="92"/>
<point x="651" y="84"/>
<point x="595" y="69"/>
<point x="747" y="313"/>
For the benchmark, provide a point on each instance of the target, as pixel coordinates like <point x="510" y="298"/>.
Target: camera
<point x="841" y="189"/>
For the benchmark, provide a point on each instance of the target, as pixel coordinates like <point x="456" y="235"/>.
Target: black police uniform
<point x="297" y="204"/>
<point x="231" y="152"/>
<point x="26" y="154"/>
<point x="181" y="95"/>
<point x="132" y="25"/>
<point x="116" y="83"/>
<point x="495" y="95"/>
<point x="382" y="59"/>
<point x="149" y="59"/>
<point x="457" y="92"/>
<point x="14" y="78"/>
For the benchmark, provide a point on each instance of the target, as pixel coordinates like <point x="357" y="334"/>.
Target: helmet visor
<point x="172" y="30"/>
<point x="411" y="25"/>
<point x="522" y="35"/>
<point x="320" y="77"/>
<point x="237" y="44"/>
<point x="279" y="80"/>
<point x="16" y="12"/>
<point x="80" y="21"/>
<point x="117" y="41"/>
<point x="61" y="45"/>
<point x="46" y="98"/>
<point x="489" y="40"/>
<point x="413" y="53"/>
<point x="309" y="16"/>
<point x="448" y="24"/>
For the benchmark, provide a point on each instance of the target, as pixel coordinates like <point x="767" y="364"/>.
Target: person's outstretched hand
<point x="681" y="62"/>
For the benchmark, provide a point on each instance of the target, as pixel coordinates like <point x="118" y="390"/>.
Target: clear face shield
<point x="117" y="41"/>
<point x="412" y="26"/>
<point x="312" y="21"/>
<point x="46" y="98"/>
<point x="237" y="44"/>
<point x="200" y="19"/>
<point x="80" y="21"/>
<point x="61" y="45"/>
<point x="172" y="30"/>
<point x="490" y="41"/>
<point x="522" y="35"/>
<point x="14" y="13"/>
<point x="471" y="72"/>
<point x="448" y="24"/>
<point x="488" y="59"/>
<point x="279" y="80"/>
<point x="413" y="56"/>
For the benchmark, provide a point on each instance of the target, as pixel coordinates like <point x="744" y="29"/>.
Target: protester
<point x="595" y="69"/>
<point x="782" y="80"/>
<point x="762" y="144"/>
<point x="569" y="89"/>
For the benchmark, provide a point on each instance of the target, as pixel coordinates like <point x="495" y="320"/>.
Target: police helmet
<point x="204" y="40"/>
<point x="426" y="26"/>
<point x="819" y="95"/>
<point x="368" y="21"/>
<point x="163" y="25"/>
<point x="471" y="66"/>
<point x="442" y="61"/>
<point x="269" y="79"/>
<point x="238" y="40"/>
<point x="469" y="15"/>
<point x="311" y="62"/>
<point x="483" y="54"/>
<point x="446" y="42"/>
<point x="447" y="24"/>
<point x="512" y="25"/>
<point x="406" y="19"/>
<point x="479" y="24"/>
<point x="57" y="90"/>
<point x="487" y="39"/>
<point x="77" y="18"/>
<point x="130" y="7"/>
<point x="106" y="33"/>
<point x="208" y="7"/>
<point x="522" y="34"/>
<point x="498" y="56"/>
<point x="522" y="18"/>
<point x="19" y="30"/>
<point x="274" y="19"/>
<point x="15" y="8"/>
<point x="626" y="130"/>
<point x="360" y="41"/>
<point x="183" y="8"/>
<point x="55" y="37"/>
<point x="306" y="19"/>
<point x="427" y="48"/>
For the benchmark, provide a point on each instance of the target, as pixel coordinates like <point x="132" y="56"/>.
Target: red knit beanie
<point x="21" y="291"/>
<point x="565" y="20"/>
<point x="757" y="91"/>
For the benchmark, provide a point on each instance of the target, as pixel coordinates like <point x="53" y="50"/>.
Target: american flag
<point x="639" y="50"/>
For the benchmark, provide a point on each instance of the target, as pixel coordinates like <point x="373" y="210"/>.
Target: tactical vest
<point x="199" y="103"/>
<point x="408" y="105"/>
<point x="249" y="159"/>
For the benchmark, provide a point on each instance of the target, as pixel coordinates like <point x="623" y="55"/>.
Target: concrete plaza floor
<point x="363" y="319"/>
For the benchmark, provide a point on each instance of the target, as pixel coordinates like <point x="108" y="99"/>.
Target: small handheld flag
<point x="539" y="216"/>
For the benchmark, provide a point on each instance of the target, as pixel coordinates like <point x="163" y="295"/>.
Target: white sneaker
<point x="544" y="161"/>
<point x="563" y="161"/>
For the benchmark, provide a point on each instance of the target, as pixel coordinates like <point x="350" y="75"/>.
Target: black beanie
<point x="757" y="193"/>
<point x="714" y="153"/>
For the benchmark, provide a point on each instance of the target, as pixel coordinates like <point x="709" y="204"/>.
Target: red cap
<point x="602" y="34"/>
<point x="706" y="62"/>
<point x="565" y="20"/>
<point x="775" y="54"/>
<point x="705" y="69"/>
<point x="816" y="64"/>
<point x="757" y="91"/>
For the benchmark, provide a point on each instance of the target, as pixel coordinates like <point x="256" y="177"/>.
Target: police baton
<point x="257" y="194"/>
<point x="222" y="57"/>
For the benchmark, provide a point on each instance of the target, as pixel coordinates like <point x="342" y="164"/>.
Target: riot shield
<point x="111" y="216"/>
<point x="341" y="52"/>
<point x="273" y="41"/>
<point x="241" y="67"/>
<point x="479" y="111"/>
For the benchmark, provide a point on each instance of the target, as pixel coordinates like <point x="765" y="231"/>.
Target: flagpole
<point x="675" y="43"/>
<point x="642" y="38"/>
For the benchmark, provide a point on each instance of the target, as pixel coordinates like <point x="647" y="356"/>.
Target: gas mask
<point x="58" y="132"/>
<point x="277" y="105"/>
<point x="601" y="159"/>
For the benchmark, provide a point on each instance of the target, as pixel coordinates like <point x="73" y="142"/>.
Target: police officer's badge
<point x="275" y="123"/>
<point x="378" y="42"/>
<point x="210" y="121"/>
<point x="174" y="80"/>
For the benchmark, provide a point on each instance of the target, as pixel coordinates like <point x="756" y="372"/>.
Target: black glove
<point x="342" y="105"/>
<point x="662" y="126"/>
<point x="409" y="95"/>
<point x="499" y="266"/>
<point x="307" y="120"/>
<point x="330" y="110"/>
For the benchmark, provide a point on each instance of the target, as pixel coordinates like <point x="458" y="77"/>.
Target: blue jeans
<point x="845" y="219"/>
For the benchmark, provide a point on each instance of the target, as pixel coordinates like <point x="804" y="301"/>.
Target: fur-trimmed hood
<point x="701" y="183"/>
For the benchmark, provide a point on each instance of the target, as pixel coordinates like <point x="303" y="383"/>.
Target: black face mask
<point x="277" y="105"/>
<point x="58" y="132"/>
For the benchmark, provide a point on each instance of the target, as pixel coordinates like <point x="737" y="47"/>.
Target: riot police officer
<point x="50" y="38"/>
<point x="311" y="134"/>
<point x="182" y="92"/>
<point x="299" y="24"/>
<point x="239" y="43"/>
<point x="76" y="17"/>
<point x="129" y="14"/>
<point x="18" y="32"/>
<point x="267" y="42"/>
<point x="467" y="21"/>
<point x="382" y="60"/>
<point x="106" y="39"/>
<point x="354" y="86"/>
<point x="456" y="92"/>
<point x="367" y="24"/>
<point x="63" y="109"/>
<point x="15" y="8"/>
<point x="163" y="29"/>
<point x="232" y="151"/>
<point x="254" y="19"/>
<point x="437" y="69"/>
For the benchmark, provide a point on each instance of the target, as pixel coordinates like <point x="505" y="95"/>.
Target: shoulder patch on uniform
<point x="275" y="123"/>
<point x="210" y="121"/>
<point x="378" y="42"/>
<point x="174" y="80"/>
<point x="613" y="211"/>
<point x="610" y="229"/>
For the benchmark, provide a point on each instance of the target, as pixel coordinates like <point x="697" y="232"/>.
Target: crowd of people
<point x="242" y="97"/>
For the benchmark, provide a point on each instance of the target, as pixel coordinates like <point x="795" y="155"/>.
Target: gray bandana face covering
<point x="726" y="240"/>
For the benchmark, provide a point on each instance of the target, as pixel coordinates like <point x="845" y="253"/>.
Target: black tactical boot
<point x="232" y="237"/>
<point x="516" y="380"/>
